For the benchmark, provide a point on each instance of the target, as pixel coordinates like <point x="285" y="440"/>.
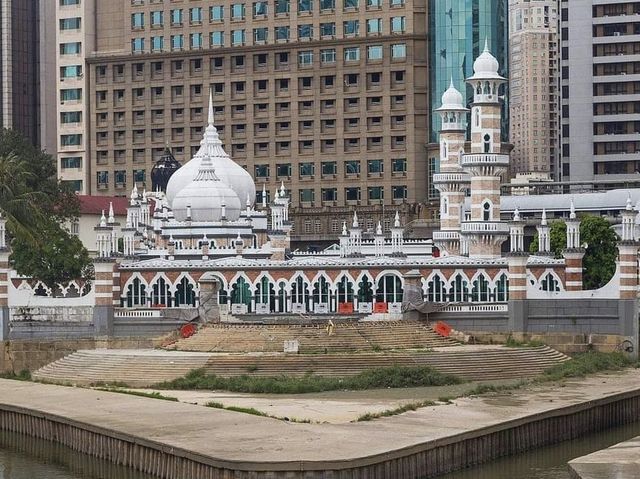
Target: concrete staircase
<point x="346" y="337"/>
<point x="146" y="367"/>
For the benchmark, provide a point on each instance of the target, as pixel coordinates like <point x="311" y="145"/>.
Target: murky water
<point x="25" y="457"/>
<point x="548" y="462"/>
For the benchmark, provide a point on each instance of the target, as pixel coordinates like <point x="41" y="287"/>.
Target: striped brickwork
<point x="573" y="269"/>
<point x="105" y="283"/>
<point x="628" y="261"/>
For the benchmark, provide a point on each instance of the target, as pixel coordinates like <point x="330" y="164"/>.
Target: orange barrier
<point x="188" y="330"/>
<point x="443" y="329"/>
<point x="345" y="308"/>
<point x="380" y="307"/>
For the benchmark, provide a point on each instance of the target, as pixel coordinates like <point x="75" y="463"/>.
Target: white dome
<point x="207" y="196"/>
<point x="226" y="169"/>
<point x="452" y="99"/>
<point x="486" y="65"/>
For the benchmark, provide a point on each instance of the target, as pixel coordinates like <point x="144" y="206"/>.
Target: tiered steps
<point x="346" y="337"/>
<point x="147" y="367"/>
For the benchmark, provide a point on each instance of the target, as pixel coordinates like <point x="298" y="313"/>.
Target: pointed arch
<point x="480" y="290"/>
<point x="185" y="291"/>
<point x="434" y="288"/>
<point x="135" y="292"/>
<point x="160" y="290"/>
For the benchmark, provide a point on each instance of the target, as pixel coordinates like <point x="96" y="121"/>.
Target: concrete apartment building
<point x="600" y="73"/>
<point x="327" y="96"/>
<point x="19" y="67"/>
<point x="534" y="88"/>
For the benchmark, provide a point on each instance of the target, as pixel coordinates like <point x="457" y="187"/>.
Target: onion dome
<point x="206" y="198"/>
<point x="227" y="170"/>
<point x="163" y="170"/>
<point x="452" y="99"/>
<point x="486" y="66"/>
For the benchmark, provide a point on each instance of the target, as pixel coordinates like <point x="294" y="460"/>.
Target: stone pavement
<point x="228" y="438"/>
<point x="621" y="461"/>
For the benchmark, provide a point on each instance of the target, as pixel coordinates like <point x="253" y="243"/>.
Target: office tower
<point x="19" y="67"/>
<point x="327" y="96"/>
<point x="534" y="88"/>
<point x="75" y="39"/>
<point x="600" y="108"/>
<point x="458" y="30"/>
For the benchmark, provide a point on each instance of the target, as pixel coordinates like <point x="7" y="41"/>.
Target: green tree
<point x="36" y="206"/>
<point x="599" y="261"/>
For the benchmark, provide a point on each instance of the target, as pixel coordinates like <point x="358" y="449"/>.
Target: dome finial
<point x="379" y="228"/>
<point x="355" y="219"/>
<point x="103" y="220"/>
<point x="344" y="228"/>
<point x="516" y="214"/>
<point x="543" y="222"/>
<point x="486" y="44"/>
<point x="210" y="118"/>
<point x="111" y="215"/>
<point x="572" y="210"/>
<point x="396" y="221"/>
<point x="629" y="205"/>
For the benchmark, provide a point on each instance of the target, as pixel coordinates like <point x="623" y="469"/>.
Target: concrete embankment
<point x="619" y="461"/>
<point x="176" y="440"/>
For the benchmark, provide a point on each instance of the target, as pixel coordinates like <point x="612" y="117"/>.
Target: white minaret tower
<point x="485" y="163"/>
<point x="544" y="238"/>
<point x="452" y="181"/>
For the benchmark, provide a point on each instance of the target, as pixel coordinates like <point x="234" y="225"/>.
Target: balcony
<point x="451" y="178"/>
<point x="485" y="227"/>
<point x="485" y="159"/>
<point x="446" y="235"/>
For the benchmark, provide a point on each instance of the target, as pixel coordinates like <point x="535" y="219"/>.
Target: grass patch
<point x="392" y="377"/>
<point x="152" y="395"/>
<point x="394" y="412"/>
<point x="514" y="343"/>
<point x="24" y="375"/>
<point x="583" y="364"/>
<point x="254" y="412"/>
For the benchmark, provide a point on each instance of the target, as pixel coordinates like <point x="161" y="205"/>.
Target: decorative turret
<point x="574" y="253"/>
<point x="452" y="181"/>
<point x="3" y="232"/>
<point x="397" y="237"/>
<point x="517" y="233"/>
<point x="628" y="222"/>
<point x="378" y="241"/>
<point x="355" y="237"/>
<point x="544" y="238"/>
<point x="104" y="238"/>
<point x="344" y="241"/>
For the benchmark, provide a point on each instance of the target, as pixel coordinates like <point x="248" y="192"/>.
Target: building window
<point x="237" y="11"/>
<point x="307" y="195"/>
<point x="352" y="167"/>
<point x="397" y="24"/>
<point x="351" y="4"/>
<point x="329" y="194"/>
<point x="216" y="13"/>
<point x="157" y="18"/>
<point x="351" y="27"/>
<point x="375" y="193"/>
<point x="327" y="4"/>
<point x="352" y="194"/>
<point x="217" y="39"/>
<point x="327" y="29"/>
<point x="305" y="57"/>
<point x="139" y="176"/>
<point x="399" y="50"/>
<point x="307" y="169"/>
<point x="375" y="166"/>
<point x="120" y="177"/>
<point x="282" y="6"/>
<point x="102" y="177"/>
<point x="329" y="168"/>
<point x="352" y="54"/>
<point x="71" y="162"/>
<point x="305" y="32"/>
<point x="137" y="45"/>
<point x="374" y="52"/>
<point x="262" y="171"/>
<point x="137" y="21"/>
<point x="260" y="35"/>
<point x="328" y="55"/>
<point x="283" y="170"/>
<point x="374" y="26"/>
<point x="237" y="37"/>
<point x="374" y="3"/>
<point x="177" y="42"/>
<point x="399" y="165"/>
<point x="195" y="15"/>
<point x="176" y="17"/>
<point x="399" y="192"/>
<point x="71" y="71"/>
<point x="70" y="23"/>
<point x="195" y="40"/>
<point x="71" y="94"/>
<point x="157" y="44"/>
<point x="71" y="117"/>
<point x="305" y="5"/>
<point x="73" y="48"/>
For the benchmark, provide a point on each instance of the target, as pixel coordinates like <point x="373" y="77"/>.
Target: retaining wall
<point x="423" y="460"/>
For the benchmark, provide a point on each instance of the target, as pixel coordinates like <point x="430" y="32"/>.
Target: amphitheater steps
<point x="356" y="336"/>
<point x="144" y="368"/>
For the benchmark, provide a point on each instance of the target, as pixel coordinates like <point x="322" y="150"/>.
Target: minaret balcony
<point x="485" y="159"/>
<point x="446" y="235"/>
<point x="485" y="227"/>
<point x="441" y="178"/>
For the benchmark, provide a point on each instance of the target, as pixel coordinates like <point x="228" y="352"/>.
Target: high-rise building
<point x="600" y="90"/>
<point x="534" y="87"/>
<point x="75" y="40"/>
<point x="19" y="67"/>
<point x="458" y="30"/>
<point x="327" y="96"/>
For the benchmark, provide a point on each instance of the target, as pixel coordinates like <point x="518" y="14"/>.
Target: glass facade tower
<point x="457" y="32"/>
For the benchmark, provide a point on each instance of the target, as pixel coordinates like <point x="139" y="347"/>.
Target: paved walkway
<point x="616" y="462"/>
<point x="229" y="437"/>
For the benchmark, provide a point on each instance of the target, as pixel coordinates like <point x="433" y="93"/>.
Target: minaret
<point x="485" y="163"/>
<point x="574" y="253"/>
<point x="452" y="181"/>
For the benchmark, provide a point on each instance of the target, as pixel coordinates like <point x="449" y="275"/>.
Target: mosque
<point x="207" y="222"/>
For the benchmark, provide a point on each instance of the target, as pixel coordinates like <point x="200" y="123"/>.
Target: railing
<point x="451" y="177"/>
<point x="485" y="227"/>
<point x="138" y="313"/>
<point x="446" y="235"/>
<point x="497" y="159"/>
<point x="476" y="308"/>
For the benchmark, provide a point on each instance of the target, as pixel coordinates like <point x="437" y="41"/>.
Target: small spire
<point x="144" y="195"/>
<point x="264" y="195"/>
<point x="210" y="117"/>
<point x="543" y="222"/>
<point x="188" y="211"/>
<point x="282" y="189"/>
<point x="248" y="203"/>
<point x="516" y="214"/>
<point x="451" y="85"/>
<point x="486" y="44"/>
<point x="396" y="222"/>
<point x="224" y="209"/>
<point x="111" y="216"/>
<point x="629" y="205"/>
<point x="103" y="220"/>
<point x="379" y="228"/>
<point x="277" y="194"/>
<point x="355" y="220"/>
<point x="572" y="211"/>
<point x="344" y="228"/>
<point x="171" y="238"/>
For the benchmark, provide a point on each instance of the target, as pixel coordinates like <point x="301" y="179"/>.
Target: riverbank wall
<point x="419" y="459"/>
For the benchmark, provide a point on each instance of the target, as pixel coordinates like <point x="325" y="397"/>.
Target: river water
<point x="24" y="457"/>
